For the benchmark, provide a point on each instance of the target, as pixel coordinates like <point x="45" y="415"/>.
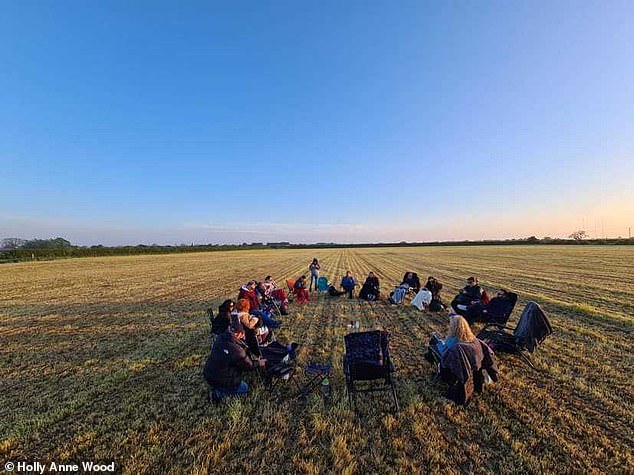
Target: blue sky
<point x="169" y="122"/>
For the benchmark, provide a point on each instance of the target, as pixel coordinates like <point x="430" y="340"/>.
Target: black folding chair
<point x="366" y="361"/>
<point x="315" y="374"/>
<point x="532" y="329"/>
<point x="269" y="304"/>
<point x="498" y="310"/>
<point x="280" y="364"/>
<point x="434" y="357"/>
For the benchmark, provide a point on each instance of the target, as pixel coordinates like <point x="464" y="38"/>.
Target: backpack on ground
<point x="436" y="305"/>
<point x="333" y="292"/>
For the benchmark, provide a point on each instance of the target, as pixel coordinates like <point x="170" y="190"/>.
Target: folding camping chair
<point x="213" y="332"/>
<point x="502" y="310"/>
<point x="434" y="357"/>
<point x="315" y="375"/>
<point x="280" y="360"/>
<point x="532" y="329"/>
<point x="322" y="284"/>
<point x="366" y="360"/>
<point x="290" y="283"/>
<point x="280" y="364"/>
<point x="271" y="306"/>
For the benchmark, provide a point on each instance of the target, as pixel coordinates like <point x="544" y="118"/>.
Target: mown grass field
<point x="101" y="360"/>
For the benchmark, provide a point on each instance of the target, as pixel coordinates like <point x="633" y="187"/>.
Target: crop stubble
<point x="101" y="360"/>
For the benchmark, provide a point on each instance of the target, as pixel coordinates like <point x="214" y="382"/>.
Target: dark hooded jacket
<point x="412" y="281"/>
<point x="226" y="362"/>
<point x="220" y="323"/>
<point x="370" y="287"/>
<point x="462" y="366"/>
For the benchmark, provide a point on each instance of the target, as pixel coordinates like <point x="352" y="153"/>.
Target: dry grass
<point x="101" y="360"/>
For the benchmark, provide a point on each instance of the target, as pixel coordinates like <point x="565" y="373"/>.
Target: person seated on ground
<point x="227" y="361"/>
<point x="434" y="287"/>
<point x="497" y="310"/>
<point x="462" y="362"/>
<point x="300" y="290"/>
<point x="221" y="321"/>
<point x="348" y="283"/>
<point x="422" y="300"/>
<point x="471" y="294"/>
<point x="247" y="291"/>
<point x="370" y="290"/>
<point x="411" y="279"/>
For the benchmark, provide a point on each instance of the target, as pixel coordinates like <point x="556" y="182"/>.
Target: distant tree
<point x="57" y="243"/>
<point x="532" y="240"/>
<point x="12" y="243"/>
<point x="578" y="235"/>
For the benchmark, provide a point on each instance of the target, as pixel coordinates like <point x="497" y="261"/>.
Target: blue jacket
<point x="348" y="283"/>
<point x="451" y="341"/>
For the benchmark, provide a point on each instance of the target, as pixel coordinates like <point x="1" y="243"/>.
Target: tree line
<point x="15" y="249"/>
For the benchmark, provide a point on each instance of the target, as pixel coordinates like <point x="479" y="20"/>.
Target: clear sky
<point x="170" y="122"/>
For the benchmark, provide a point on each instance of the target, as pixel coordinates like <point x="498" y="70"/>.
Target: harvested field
<point x="102" y="358"/>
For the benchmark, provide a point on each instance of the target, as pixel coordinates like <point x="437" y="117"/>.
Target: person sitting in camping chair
<point x="456" y="332"/>
<point x="256" y="325"/>
<point x="461" y="359"/>
<point x="221" y="321"/>
<point x="271" y="292"/>
<point x="227" y="361"/>
<point x="300" y="290"/>
<point x="268" y="285"/>
<point x="248" y="291"/>
<point x="471" y="294"/>
<point x="370" y="290"/>
<point x="497" y="310"/>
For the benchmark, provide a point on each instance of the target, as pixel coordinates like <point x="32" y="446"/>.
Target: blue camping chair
<point x="322" y="284"/>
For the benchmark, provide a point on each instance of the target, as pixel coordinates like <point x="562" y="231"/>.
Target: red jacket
<point x="251" y="296"/>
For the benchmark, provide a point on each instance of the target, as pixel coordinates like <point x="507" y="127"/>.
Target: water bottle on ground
<point x="325" y="388"/>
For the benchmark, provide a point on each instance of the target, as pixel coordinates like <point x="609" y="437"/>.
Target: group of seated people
<point x="473" y="303"/>
<point x="425" y="297"/>
<point x="244" y="329"/>
<point x="467" y="363"/>
<point x="243" y="332"/>
<point x="369" y="291"/>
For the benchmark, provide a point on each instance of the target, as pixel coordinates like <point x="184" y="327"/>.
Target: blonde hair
<point x="459" y="328"/>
